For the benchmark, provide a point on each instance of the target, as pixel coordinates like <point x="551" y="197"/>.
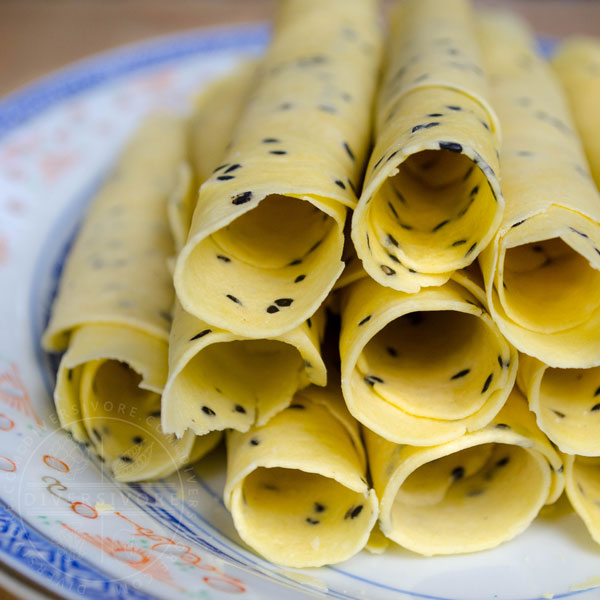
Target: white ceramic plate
<point x="64" y="524"/>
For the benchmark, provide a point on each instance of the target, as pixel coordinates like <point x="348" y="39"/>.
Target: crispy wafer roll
<point x="219" y="380"/>
<point x="431" y="200"/>
<point x="423" y="368"/>
<point x="296" y="487"/>
<point x="582" y="482"/>
<point x="266" y="239"/>
<point x="470" y="494"/>
<point x="566" y="403"/>
<point x="542" y="270"/>
<point x="577" y="63"/>
<point x="215" y="113"/>
<point x="112" y="314"/>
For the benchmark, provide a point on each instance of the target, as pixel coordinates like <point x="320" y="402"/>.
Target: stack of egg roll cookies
<point x="426" y="201"/>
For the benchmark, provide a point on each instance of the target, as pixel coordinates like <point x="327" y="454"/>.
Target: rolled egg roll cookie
<point x="112" y="314"/>
<point x="566" y="403"/>
<point x="219" y="380"/>
<point x="215" y="113"/>
<point x="542" y="270"/>
<point x="470" y="494"/>
<point x="582" y="483"/>
<point x="577" y="63"/>
<point x="431" y="199"/>
<point x="297" y="487"/>
<point x="422" y="368"/>
<point x="266" y="239"/>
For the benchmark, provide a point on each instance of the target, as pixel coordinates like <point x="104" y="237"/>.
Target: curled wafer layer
<point x="423" y="368"/>
<point x="577" y="63"/>
<point x="566" y="403"/>
<point x="112" y="314"/>
<point x="296" y="487"/>
<point x="431" y="200"/>
<point x="219" y="380"/>
<point x="542" y="270"/>
<point x="582" y="482"/>
<point x="470" y="494"/>
<point x="266" y="239"/>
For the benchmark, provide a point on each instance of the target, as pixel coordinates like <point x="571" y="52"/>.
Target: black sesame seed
<point x="392" y="240"/>
<point x="503" y="462"/>
<point x="233" y="298"/>
<point x="96" y="434"/>
<point x="242" y="198"/>
<point x="388" y="270"/>
<point x="270" y="141"/>
<point x="315" y="246"/>
<point x="297" y="406"/>
<point x="468" y="173"/>
<point x="326" y="108"/>
<point x="279" y="152"/>
<point x="223" y="258"/>
<point x="502" y="426"/>
<point x="312" y="521"/>
<point x="308" y="364"/>
<point x="70" y="374"/>
<point x="352" y="186"/>
<point x="220" y="167"/>
<point x="459" y="243"/>
<point x="394" y="258"/>
<point x="136" y="439"/>
<point x="584" y="235"/>
<point x="300" y="278"/>
<point x="500" y="362"/>
<point x="391" y="351"/>
<point x="232" y="168"/>
<point x="373" y="379"/>
<point x="559" y="414"/>
<point x="451" y="146"/>
<point x="368" y="242"/>
<point x="486" y="385"/>
<point x="458" y="473"/>
<point x="518" y="223"/>
<point x="285" y="106"/>
<point x="254" y="442"/>
<point x="126" y="459"/>
<point x="435" y="115"/>
<point x="597" y="392"/>
<point x="348" y="150"/>
<point x="208" y="411"/>
<point x="225" y="177"/>
<point x="450" y="107"/>
<point x="295" y="262"/>
<point x="283" y="302"/>
<point x="461" y="374"/>
<point x="485" y="125"/>
<point x="272" y="309"/>
<point x="239" y="408"/>
<point x="474" y="191"/>
<point x="440" y="225"/>
<point x="319" y="507"/>
<point x="393" y="209"/>
<point x="309" y="323"/>
<point x="353" y="512"/>
<point x="364" y="320"/>
<point x="201" y="334"/>
<point x="471" y="249"/>
<point x="340" y="183"/>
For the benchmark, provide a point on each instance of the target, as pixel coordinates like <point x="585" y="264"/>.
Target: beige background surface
<point x="37" y="36"/>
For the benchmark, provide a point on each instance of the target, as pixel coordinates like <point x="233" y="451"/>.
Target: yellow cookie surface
<point x="219" y="380"/>
<point x="275" y="209"/>
<point x="566" y="403"/>
<point x="431" y="200"/>
<point x="113" y="313"/>
<point x="422" y="368"/>
<point x="296" y="486"/>
<point x="577" y="63"/>
<point x="542" y="270"/>
<point x="470" y="494"/>
<point x="582" y="481"/>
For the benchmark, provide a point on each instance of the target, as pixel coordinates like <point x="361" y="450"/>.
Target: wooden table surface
<point x="37" y="36"/>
